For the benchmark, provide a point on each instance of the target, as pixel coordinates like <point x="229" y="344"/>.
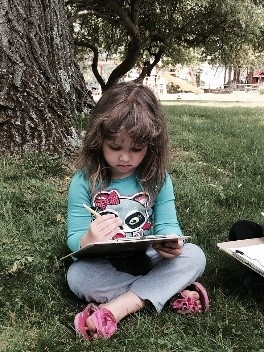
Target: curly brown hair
<point x="135" y="110"/>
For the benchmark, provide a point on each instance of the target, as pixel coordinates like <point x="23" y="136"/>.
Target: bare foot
<point x="91" y="329"/>
<point x="194" y="295"/>
<point x="120" y="307"/>
<point x="124" y="305"/>
<point x="89" y="325"/>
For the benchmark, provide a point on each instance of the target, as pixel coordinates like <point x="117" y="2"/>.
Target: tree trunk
<point x="237" y="73"/>
<point x="41" y="86"/>
<point x="229" y="79"/>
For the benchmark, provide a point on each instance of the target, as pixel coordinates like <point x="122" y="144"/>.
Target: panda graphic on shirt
<point x="133" y="211"/>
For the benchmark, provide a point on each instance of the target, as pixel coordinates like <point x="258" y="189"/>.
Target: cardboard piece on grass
<point x="249" y="252"/>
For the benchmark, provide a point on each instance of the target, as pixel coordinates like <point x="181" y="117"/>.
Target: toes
<point x="91" y="329"/>
<point x="194" y="295"/>
<point x="199" y="305"/>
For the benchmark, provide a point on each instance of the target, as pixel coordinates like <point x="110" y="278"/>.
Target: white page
<point x="253" y="254"/>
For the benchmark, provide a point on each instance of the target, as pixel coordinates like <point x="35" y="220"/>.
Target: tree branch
<point x="95" y="60"/>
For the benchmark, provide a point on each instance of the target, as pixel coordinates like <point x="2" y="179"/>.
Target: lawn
<point x="217" y="171"/>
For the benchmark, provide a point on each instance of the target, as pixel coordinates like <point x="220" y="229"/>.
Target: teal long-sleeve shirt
<point x="126" y="199"/>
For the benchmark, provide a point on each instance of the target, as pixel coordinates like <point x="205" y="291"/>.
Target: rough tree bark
<point x="41" y="86"/>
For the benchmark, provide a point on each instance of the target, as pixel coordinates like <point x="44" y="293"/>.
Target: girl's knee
<point x="196" y="255"/>
<point x="72" y="275"/>
<point x="76" y="276"/>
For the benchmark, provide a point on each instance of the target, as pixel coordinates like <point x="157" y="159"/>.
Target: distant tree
<point x="41" y="86"/>
<point x="142" y="32"/>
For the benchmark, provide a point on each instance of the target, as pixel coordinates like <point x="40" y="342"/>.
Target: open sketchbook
<point x="122" y="246"/>
<point x="249" y="252"/>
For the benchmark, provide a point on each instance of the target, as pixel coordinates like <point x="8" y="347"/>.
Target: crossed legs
<point x="123" y="293"/>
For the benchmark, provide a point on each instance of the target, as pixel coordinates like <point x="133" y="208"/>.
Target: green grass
<point x="217" y="170"/>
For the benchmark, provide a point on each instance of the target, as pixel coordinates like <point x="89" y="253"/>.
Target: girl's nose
<point x="124" y="157"/>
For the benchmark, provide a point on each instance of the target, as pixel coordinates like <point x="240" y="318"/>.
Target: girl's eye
<point x="114" y="147"/>
<point x="137" y="150"/>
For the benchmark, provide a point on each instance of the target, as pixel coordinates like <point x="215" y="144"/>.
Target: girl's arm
<point x="78" y="219"/>
<point x="165" y="215"/>
<point x="166" y="222"/>
<point x="82" y="227"/>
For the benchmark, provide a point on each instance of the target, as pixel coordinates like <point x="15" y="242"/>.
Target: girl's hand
<point x="169" y="249"/>
<point x="102" y="229"/>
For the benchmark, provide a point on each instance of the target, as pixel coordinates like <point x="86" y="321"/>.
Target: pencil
<point x="91" y="211"/>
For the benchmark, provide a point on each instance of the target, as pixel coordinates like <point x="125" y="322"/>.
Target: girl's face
<point x="122" y="156"/>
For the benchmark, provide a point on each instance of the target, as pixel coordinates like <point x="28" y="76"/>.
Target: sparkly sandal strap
<point x="104" y="322"/>
<point x="185" y="305"/>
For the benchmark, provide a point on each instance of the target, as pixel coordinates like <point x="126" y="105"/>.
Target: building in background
<point x="206" y="78"/>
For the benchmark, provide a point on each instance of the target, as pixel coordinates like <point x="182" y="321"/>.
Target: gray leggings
<point x="149" y="276"/>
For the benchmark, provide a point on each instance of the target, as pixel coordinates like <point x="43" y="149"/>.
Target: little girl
<point x="122" y="176"/>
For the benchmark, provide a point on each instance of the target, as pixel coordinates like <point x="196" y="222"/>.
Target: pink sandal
<point x="185" y="305"/>
<point x="103" y="320"/>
